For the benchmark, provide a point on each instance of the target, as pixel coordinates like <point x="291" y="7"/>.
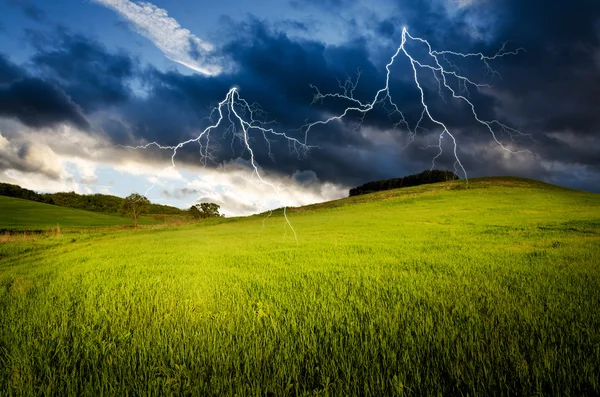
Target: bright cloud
<point x="177" y="43"/>
<point x="232" y="187"/>
<point x="66" y="159"/>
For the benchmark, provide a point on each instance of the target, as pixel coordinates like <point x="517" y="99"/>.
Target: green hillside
<point x="103" y="203"/>
<point x="19" y="213"/>
<point x="430" y="290"/>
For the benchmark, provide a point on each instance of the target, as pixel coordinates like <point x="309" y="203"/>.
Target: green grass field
<point x="432" y="290"/>
<point x="17" y="213"/>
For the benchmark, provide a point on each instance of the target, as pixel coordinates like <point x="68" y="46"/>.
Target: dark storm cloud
<point x="36" y="103"/>
<point x="9" y="71"/>
<point x="94" y="77"/>
<point x="387" y="28"/>
<point x="553" y="89"/>
<point x="33" y="101"/>
<point x="550" y="92"/>
<point x="561" y="68"/>
<point x="276" y="72"/>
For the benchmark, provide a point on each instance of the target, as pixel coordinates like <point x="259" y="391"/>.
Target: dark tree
<point x="195" y="212"/>
<point x="205" y="210"/>
<point x="134" y="205"/>
<point x="209" y="210"/>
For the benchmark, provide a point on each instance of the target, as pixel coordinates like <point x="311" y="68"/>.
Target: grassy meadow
<point x="424" y="291"/>
<point x="16" y="213"/>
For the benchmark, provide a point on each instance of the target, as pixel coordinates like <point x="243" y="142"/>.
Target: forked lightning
<point x="243" y="119"/>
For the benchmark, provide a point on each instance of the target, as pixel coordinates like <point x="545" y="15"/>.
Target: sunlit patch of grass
<point x="432" y="290"/>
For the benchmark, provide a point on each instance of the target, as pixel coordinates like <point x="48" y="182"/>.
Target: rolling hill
<point x="430" y="290"/>
<point x="102" y="203"/>
<point x="20" y="213"/>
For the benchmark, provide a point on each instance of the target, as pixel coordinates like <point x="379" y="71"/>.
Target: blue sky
<point x="81" y="79"/>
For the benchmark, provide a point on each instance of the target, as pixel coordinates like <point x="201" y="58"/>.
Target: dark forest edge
<point x="423" y="178"/>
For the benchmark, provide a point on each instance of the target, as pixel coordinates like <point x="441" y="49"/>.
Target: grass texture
<point x="17" y="213"/>
<point x="433" y="290"/>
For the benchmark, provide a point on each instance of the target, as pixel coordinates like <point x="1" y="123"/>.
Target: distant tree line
<point x="90" y="202"/>
<point x="425" y="177"/>
<point x="9" y="190"/>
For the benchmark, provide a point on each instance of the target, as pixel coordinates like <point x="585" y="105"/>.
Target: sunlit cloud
<point x="177" y="43"/>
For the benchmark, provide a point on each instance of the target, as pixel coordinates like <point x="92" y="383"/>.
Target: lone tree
<point x="205" y="210"/>
<point x="134" y="205"/>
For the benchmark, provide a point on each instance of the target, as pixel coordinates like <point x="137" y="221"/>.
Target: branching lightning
<point x="442" y="70"/>
<point x="235" y="116"/>
<point x="241" y="119"/>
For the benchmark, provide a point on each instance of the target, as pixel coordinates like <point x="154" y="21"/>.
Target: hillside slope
<point x="431" y="290"/>
<point x="17" y="213"/>
<point x="476" y="188"/>
<point x="102" y="203"/>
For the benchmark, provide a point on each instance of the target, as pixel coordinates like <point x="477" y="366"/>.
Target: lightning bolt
<point x="442" y="70"/>
<point x="244" y="119"/>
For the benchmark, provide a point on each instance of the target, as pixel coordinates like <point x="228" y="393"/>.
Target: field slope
<point x="19" y="213"/>
<point x="431" y="290"/>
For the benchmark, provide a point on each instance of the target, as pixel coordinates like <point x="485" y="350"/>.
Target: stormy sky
<point x="80" y="79"/>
